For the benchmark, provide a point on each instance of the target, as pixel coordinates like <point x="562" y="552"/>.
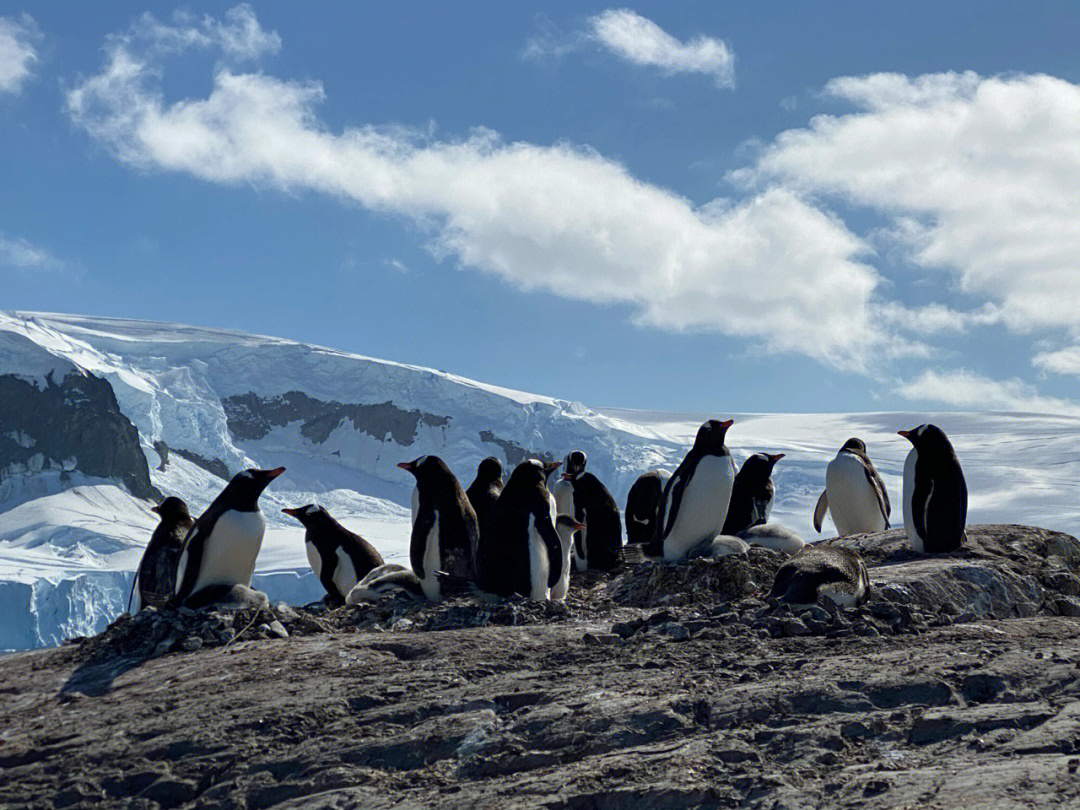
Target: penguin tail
<point x="451" y="585"/>
<point x="632" y="554"/>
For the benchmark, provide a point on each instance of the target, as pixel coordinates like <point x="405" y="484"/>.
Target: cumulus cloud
<point x="639" y="40"/>
<point x="17" y="252"/>
<point x="17" y="51"/>
<point x="966" y="389"/>
<point x="1063" y="361"/>
<point x="980" y="175"/>
<point x="771" y="267"/>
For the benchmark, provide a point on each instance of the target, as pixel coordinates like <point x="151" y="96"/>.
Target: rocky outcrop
<point x="718" y="698"/>
<point x="251" y="417"/>
<point x="73" y="423"/>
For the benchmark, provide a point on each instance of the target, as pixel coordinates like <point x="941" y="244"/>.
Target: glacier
<point x="207" y="402"/>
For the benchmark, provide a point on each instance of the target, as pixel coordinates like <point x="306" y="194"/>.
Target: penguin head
<point x="758" y="467"/>
<point x="172" y="509"/>
<point x="531" y="472"/>
<point x="565" y="524"/>
<point x="490" y="470"/>
<point x="427" y="470"/>
<point x="244" y="490"/>
<point x="574" y="465"/>
<point x="310" y="515"/>
<point x="858" y="445"/>
<point x="929" y="440"/>
<point x="710" y="437"/>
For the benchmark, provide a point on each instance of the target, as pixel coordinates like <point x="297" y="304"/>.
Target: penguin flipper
<point x="425" y="520"/>
<point x="920" y="503"/>
<point x="546" y="529"/>
<point x="879" y="489"/>
<point x="193" y="547"/>
<point x="820" y="510"/>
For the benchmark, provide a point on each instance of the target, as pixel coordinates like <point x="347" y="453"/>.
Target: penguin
<point x="338" y="557"/>
<point x="385" y="580"/>
<point x="566" y="527"/>
<point x="520" y="552"/>
<point x="155" y="579"/>
<point x="723" y="545"/>
<point x="774" y="536"/>
<point x="597" y="546"/>
<point x="221" y="547"/>
<point x="485" y="488"/>
<point x="642" y="503"/>
<point x="562" y="486"/>
<point x="752" y="493"/>
<point x="854" y="493"/>
<point x="445" y="532"/>
<point x="935" y="492"/>
<point x="695" y="501"/>
<point x="833" y="571"/>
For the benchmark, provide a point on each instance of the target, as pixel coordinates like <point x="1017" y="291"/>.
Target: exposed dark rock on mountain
<point x="214" y="466"/>
<point x="514" y="453"/>
<point x="660" y="686"/>
<point x="71" y="424"/>
<point x="252" y="417"/>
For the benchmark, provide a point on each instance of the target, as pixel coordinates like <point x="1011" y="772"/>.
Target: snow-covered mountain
<point x="100" y="416"/>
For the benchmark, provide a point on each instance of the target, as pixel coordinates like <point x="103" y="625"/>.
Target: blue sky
<point x="693" y="206"/>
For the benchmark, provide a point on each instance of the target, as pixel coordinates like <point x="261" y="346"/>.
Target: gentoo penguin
<point x="562" y="486"/>
<point x="854" y="493"/>
<point x="816" y="571"/>
<point x="723" y="545"/>
<point x="695" y="501"/>
<point x="935" y="493"/>
<point x="444" y="532"/>
<point x="597" y="546"/>
<point x="485" y="488"/>
<point x="752" y="493"/>
<point x="566" y="527"/>
<point x="520" y="552"/>
<point x="774" y="536"/>
<point x="220" y="549"/>
<point x="642" y="504"/>
<point x="383" y="581"/>
<point x="155" y="580"/>
<point x="338" y="557"/>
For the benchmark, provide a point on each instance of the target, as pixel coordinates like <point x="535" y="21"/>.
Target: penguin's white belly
<point x="909" y="490"/>
<point x="853" y="500"/>
<point x="415" y="503"/>
<point x="558" y="591"/>
<point x="345" y="573"/>
<point x="314" y="559"/>
<point x="704" y="506"/>
<point x="563" y="493"/>
<point x="539" y="565"/>
<point x="229" y="552"/>
<point x="432" y="562"/>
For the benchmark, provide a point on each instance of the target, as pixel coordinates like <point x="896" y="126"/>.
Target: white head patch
<point x="247" y="474"/>
<point x="311" y="510"/>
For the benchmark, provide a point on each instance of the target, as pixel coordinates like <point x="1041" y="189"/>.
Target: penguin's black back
<point x="502" y="560"/>
<point x="485" y="488"/>
<point x="459" y="533"/>
<point x="643" y="504"/>
<point x="157" y="570"/>
<point x="327" y="535"/>
<point x="939" y="503"/>
<point x="594" y="506"/>
<point x="799" y="579"/>
<point x="750" y="493"/>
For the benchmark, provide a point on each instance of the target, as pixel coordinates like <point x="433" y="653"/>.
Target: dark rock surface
<point x="73" y="423"/>
<point x="663" y="686"/>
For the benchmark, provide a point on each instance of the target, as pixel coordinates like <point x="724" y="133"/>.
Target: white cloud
<point x="936" y="319"/>
<point x="1063" y="361"/>
<point x="980" y="173"/>
<point x="17" y="252"/>
<point x="397" y="265"/>
<point x="639" y="40"/>
<point x="966" y="389"/>
<point x="771" y="268"/>
<point x="17" y="51"/>
<point x="239" y="36"/>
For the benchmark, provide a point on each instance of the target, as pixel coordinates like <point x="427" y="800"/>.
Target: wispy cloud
<point x="18" y="252"/>
<point x="771" y="268"/>
<point x="639" y="40"/>
<point x="397" y="265"/>
<point x="18" y="52"/>
<point x="1063" y="361"/>
<point x="966" y="389"/>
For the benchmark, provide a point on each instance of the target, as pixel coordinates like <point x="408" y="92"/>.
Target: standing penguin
<point x="833" y="571"/>
<point x="520" y="552"/>
<point x="155" y="580"/>
<point x="338" y="557"/>
<point x="935" y="492"/>
<point x="566" y="527"/>
<point x="642" y="505"/>
<point x="444" y="533"/>
<point x="695" y="502"/>
<point x="854" y="493"/>
<point x="597" y="545"/>
<point x="485" y="488"/>
<point x="220" y="549"/>
<point x="562" y="486"/>
<point x="752" y="493"/>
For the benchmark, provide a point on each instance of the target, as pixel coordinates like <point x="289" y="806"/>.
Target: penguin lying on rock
<point x="832" y="571"/>
<point x="385" y="580"/>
